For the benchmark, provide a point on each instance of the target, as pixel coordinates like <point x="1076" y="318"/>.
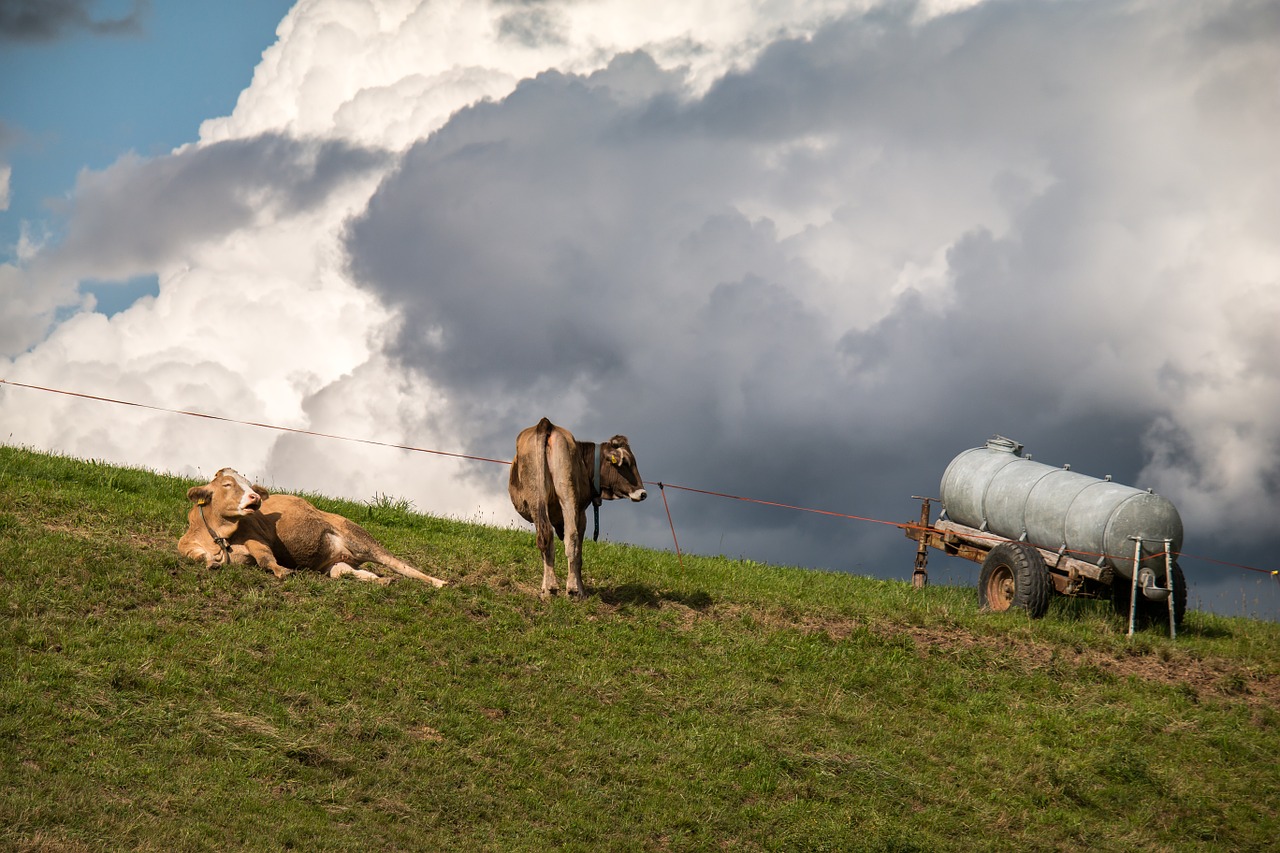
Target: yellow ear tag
<point x="613" y="458"/>
<point x="202" y="502"/>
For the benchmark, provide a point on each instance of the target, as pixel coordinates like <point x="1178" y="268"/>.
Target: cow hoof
<point x="282" y="572"/>
<point x="382" y="581"/>
<point x="548" y="594"/>
<point x="576" y="594"/>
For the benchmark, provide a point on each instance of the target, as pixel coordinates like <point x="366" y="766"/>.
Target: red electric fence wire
<point x="788" y="506"/>
<point x="253" y="423"/>
<point x="661" y="485"/>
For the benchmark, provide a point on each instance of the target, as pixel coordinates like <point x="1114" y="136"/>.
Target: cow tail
<point x="541" y="475"/>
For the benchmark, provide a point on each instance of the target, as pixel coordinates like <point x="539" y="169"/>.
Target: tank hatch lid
<point x="1008" y="445"/>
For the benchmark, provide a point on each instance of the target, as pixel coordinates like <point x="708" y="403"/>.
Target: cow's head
<point x="619" y="476"/>
<point x="228" y="495"/>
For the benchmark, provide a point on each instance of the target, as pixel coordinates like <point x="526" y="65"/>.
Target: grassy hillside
<point x="149" y="704"/>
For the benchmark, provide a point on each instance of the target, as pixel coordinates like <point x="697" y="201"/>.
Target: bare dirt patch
<point x="1207" y="677"/>
<point x="1202" y="678"/>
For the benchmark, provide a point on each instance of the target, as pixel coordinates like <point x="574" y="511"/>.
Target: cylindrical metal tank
<point x="996" y="489"/>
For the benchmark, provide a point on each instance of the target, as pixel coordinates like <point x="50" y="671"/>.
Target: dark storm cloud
<point x="137" y="213"/>
<point x="46" y="20"/>
<point x="532" y="25"/>
<point x="624" y="263"/>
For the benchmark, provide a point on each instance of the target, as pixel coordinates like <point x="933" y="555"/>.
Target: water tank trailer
<point x="1037" y="530"/>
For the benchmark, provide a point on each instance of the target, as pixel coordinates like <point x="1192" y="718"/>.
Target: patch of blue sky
<point x="83" y="100"/>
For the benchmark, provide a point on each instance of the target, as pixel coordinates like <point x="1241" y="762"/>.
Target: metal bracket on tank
<point x="999" y="442"/>
<point x="1150" y="589"/>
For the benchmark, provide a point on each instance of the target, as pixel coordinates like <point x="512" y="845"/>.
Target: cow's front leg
<point x="212" y="559"/>
<point x="575" y="521"/>
<point x="261" y="554"/>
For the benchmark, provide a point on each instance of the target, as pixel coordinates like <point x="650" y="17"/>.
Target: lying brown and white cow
<point x="231" y="521"/>
<point x="553" y="480"/>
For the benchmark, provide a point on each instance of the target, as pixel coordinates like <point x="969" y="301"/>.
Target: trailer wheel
<point x="1014" y="575"/>
<point x="1151" y="612"/>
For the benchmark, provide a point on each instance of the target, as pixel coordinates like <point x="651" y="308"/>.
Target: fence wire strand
<point x="662" y="486"/>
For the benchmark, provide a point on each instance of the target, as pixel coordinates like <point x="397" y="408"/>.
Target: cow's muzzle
<point x="638" y="495"/>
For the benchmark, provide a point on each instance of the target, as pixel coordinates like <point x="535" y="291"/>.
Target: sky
<point x="800" y="251"/>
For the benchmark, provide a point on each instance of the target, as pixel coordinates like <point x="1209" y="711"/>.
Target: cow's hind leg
<point x="547" y="547"/>
<point x="356" y="545"/>
<point x="575" y="521"/>
<point x="340" y="569"/>
<point x="386" y="558"/>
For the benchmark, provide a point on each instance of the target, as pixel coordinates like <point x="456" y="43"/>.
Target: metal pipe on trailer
<point x="1150" y="589"/>
<point x="1133" y="590"/>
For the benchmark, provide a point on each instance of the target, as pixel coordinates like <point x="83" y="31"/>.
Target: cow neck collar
<point x="595" y="482"/>
<point x="596" y="498"/>
<point x="221" y="541"/>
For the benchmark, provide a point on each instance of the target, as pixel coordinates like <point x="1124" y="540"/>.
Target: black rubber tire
<point x="1014" y="575"/>
<point x="1151" y="612"/>
<point x="1179" y="596"/>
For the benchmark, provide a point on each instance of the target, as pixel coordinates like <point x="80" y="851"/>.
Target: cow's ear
<point x="200" y="495"/>
<point x="262" y="493"/>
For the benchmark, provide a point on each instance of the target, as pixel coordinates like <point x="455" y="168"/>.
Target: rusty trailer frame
<point x="1069" y="575"/>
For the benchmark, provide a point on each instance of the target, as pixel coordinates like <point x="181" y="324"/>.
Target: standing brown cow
<point x="231" y="521"/>
<point x="554" y="478"/>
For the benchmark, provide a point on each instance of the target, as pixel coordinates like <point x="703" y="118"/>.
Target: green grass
<point x="147" y="703"/>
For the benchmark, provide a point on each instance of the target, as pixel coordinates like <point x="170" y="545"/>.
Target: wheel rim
<point x="1000" y="588"/>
